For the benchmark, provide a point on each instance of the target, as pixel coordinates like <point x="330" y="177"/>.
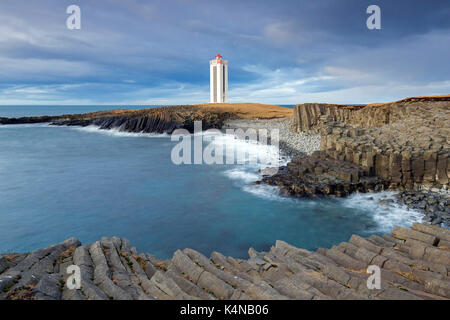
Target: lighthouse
<point x="218" y="69"/>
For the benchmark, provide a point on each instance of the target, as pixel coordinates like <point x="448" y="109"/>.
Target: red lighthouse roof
<point x="219" y="56"/>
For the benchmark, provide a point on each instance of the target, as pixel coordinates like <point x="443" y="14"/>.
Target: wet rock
<point x="317" y="175"/>
<point x="434" y="204"/>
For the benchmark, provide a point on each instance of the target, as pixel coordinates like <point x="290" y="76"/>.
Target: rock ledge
<point x="414" y="264"/>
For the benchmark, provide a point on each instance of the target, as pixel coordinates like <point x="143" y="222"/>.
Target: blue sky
<point x="282" y="52"/>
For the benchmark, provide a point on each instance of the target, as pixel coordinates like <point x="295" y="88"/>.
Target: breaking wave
<point x="26" y="125"/>
<point x="387" y="214"/>
<point x="117" y="133"/>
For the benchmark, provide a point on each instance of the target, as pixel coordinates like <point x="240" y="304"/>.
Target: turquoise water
<point x="61" y="182"/>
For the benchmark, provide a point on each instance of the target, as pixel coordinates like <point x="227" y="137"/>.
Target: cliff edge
<point x="163" y="119"/>
<point x="398" y="145"/>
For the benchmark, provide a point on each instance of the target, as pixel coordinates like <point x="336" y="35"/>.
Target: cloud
<point x="45" y="69"/>
<point x="279" y="33"/>
<point x="279" y="52"/>
<point x="414" y="59"/>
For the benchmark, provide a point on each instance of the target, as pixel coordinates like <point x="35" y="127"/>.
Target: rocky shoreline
<point x="312" y="173"/>
<point x="435" y="205"/>
<point x="161" y="119"/>
<point x="334" y="151"/>
<point x="414" y="265"/>
<point x="402" y="146"/>
<point x="292" y="144"/>
<point x="405" y="143"/>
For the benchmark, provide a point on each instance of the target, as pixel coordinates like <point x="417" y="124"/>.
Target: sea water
<point x="62" y="182"/>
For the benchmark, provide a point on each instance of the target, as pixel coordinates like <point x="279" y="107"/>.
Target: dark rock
<point x="317" y="175"/>
<point x="404" y="142"/>
<point x="437" y="220"/>
<point x="155" y="120"/>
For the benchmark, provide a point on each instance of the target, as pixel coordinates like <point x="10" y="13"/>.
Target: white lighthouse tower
<point x="218" y="69"/>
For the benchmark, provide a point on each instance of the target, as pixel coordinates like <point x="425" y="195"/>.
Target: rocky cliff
<point x="158" y="120"/>
<point x="414" y="264"/>
<point x="402" y="145"/>
<point x="308" y="115"/>
<point x="405" y="143"/>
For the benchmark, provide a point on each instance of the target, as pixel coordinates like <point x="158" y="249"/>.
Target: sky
<point x="155" y="52"/>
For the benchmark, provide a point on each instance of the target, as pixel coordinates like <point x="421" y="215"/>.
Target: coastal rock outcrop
<point x="414" y="265"/>
<point x="158" y="120"/>
<point x="318" y="175"/>
<point x="402" y="145"/>
<point x="161" y="119"/>
<point x="309" y="115"/>
<point x="406" y="142"/>
<point x="435" y="205"/>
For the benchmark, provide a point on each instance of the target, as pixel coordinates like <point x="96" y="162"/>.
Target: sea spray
<point x="118" y="133"/>
<point x="385" y="211"/>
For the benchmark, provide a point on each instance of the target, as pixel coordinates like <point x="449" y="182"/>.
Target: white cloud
<point x="374" y="93"/>
<point x="120" y="49"/>
<point x="279" y="33"/>
<point x="292" y="86"/>
<point x="276" y="86"/>
<point x="21" y="69"/>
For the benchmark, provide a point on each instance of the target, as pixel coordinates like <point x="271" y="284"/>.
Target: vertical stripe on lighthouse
<point x="225" y="85"/>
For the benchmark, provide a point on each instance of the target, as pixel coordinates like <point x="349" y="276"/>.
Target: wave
<point x="117" y="133"/>
<point x="242" y="175"/>
<point x="250" y="156"/>
<point x="27" y="125"/>
<point x="266" y="192"/>
<point x="244" y="152"/>
<point x="272" y="193"/>
<point x="249" y="152"/>
<point x="387" y="214"/>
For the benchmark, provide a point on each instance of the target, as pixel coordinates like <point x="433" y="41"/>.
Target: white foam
<point x="253" y="152"/>
<point x="243" y="175"/>
<point x="117" y="133"/>
<point x="266" y="192"/>
<point x="256" y="156"/>
<point x="26" y="125"/>
<point x="386" y="216"/>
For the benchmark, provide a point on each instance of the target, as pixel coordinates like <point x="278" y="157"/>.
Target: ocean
<point x="62" y="182"/>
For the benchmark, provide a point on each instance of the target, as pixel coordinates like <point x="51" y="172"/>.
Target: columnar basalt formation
<point x="308" y="115"/>
<point x="162" y="119"/>
<point x="319" y="174"/>
<point x="405" y="142"/>
<point x="414" y="264"/>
